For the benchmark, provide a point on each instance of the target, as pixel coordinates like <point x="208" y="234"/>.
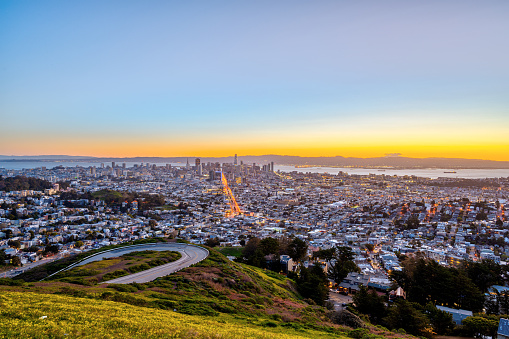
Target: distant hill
<point x="337" y="161"/>
<point x="41" y="157"/>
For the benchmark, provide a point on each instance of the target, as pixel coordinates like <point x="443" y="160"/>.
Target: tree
<point x="31" y="249"/>
<point x="370" y="247"/>
<point x="427" y="281"/>
<point x="312" y="283"/>
<point x="78" y="243"/>
<point x="481" y="326"/>
<point x="368" y="302"/>
<point x="15" y="261"/>
<point x="343" y="264"/>
<point x="442" y="321"/>
<point x="344" y="253"/>
<point x="212" y="242"/>
<point x="51" y="249"/>
<point x="484" y="274"/>
<point x="340" y="269"/>
<point x="297" y="249"/>
<point x="8" y="233"/>
<point x="251" y="247"/>
<point x="3" y="257"/>
<point x="326" y="254"/>
<point x="14" y="244"/>
<point x="404" y="315"/>
<point x="269" y="246"/>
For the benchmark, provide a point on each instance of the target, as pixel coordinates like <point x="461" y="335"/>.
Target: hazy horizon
<point x="168" y="79"/>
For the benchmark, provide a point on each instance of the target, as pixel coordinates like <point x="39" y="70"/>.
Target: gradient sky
<point x="213" y="78"/>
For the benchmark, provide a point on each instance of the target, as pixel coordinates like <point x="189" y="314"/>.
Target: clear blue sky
<point x="423" y="78"/>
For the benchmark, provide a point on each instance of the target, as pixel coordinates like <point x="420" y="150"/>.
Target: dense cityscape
<point x="448" y="220"/>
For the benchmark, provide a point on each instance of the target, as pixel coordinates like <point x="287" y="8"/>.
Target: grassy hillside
<point x="42" y="271"/>
<point x="229" y="299"/>
<point x="212" y="287"/>
<point x="22" y="316"/>
<point x="112" y="268"/>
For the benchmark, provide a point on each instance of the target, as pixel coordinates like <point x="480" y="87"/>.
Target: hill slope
<point x="68" y="317"/>
<point x="229" y="299"/>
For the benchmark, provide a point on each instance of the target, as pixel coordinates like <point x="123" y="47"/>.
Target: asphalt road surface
<point x="26" y="267"/>
<point x="191" y="254"/>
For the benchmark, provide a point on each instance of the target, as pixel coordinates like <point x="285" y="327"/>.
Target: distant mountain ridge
<point x="337" y="161"/>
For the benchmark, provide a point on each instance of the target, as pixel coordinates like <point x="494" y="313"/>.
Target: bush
<point x="346" y="318"/>
<point x="11" y="282"/>
<point x="269" y="324"/>
<point x="358" y="333"/>
<point x="123" y="288"/>
<point x="72" y="292"/>
<point x="114" y="275"/>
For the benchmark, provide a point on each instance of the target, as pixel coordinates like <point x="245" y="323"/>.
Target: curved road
<point x="191" y="254"/>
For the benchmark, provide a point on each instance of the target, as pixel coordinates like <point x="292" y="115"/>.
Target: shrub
<point x="358" y="333"/>
<point x="11" y="282"/>
<point x="269" y="324"/>
<point x="114" y="275"/>
<point x="123" y="288"/>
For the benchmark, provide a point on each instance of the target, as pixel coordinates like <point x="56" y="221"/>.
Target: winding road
<point x="191" y="254"/>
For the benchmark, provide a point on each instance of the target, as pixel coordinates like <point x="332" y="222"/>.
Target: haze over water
<point x="432" y="173"/>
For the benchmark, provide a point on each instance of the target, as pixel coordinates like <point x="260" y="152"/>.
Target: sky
<point x="214" y="78"/>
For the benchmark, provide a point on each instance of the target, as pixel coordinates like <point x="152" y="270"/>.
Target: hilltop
<point x="216" y="298"/>
<point x="32" y="315"/>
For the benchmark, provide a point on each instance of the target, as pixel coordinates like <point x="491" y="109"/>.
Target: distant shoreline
<point x="380" y="163"/>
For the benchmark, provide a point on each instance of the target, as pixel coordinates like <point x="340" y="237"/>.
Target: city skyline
<point x="126" y="79"/>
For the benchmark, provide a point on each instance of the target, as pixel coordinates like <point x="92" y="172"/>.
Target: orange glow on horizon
<point x="497" y="153"/>
<point x="306" y="143"/>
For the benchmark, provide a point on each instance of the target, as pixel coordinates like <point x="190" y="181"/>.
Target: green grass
<point x="213" y="287"/>
<point x="111" y="268"/>
<point x="231" y="251"/>
<point x="218" y="293"/>
<point x="31" y="315"/>
<point x="42" y="271"/>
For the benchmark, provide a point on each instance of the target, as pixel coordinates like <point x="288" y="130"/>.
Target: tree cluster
<point x="426" y="281"/>
<point x="312" y="283"/>
<point x="265" y="252"/>
<point x="6" y="260"/>
<point x="19" y="183"/>
<point x="341" y="262"/>
<point x="412" y="317"/>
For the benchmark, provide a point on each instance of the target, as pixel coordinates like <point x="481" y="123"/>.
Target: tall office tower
<point x="113" y="164"/>
<point x="187" y="164"/>
<point x="197" y="163"/>
<point x="212" y="175"/>
<point x="272" y="166"/>
<point x="124" y="165"/>
<point x="235" y="160"/>
<point x="199" y="170"/>
<point x="102" y="165"/>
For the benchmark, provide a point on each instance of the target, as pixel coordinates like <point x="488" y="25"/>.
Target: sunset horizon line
<point x="240" y="155"/>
